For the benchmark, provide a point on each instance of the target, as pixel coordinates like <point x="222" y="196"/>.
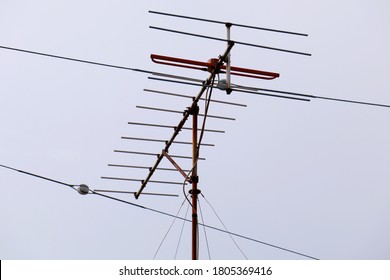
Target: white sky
<point x="309" y="176"/>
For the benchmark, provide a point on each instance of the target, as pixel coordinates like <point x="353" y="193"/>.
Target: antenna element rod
<point x="234" y="24"/>
<point x="224" y="40"/>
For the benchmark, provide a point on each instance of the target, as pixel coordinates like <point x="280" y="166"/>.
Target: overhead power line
<point x="260" y="91"/>
<point x="163" y="74"/>
<point x="211" y="227"/>
<point x="38" y="176"/>
<point x="75" y="59"/>
<point x="159" y="212"/>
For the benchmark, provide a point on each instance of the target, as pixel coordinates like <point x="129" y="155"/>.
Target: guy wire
<point x="182" y="229"/>
<point x="204" y="230"/>
<point x="169" y="229"/>
<point x="215" y="212"/>
<point x="169" y="215"/>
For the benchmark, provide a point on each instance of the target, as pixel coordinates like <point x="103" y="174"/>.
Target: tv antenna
<point x="215" y="67"/>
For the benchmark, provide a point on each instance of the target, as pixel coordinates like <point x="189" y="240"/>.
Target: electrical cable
<point x="184" y="190"/>
<point x="96" y="63"/>
<point x="257" y="91"/>
<point x="164" y="213"/>
<point x="163" y="74"/>
<point x="40" y="177"/>
<point x="310" y="96"/>
<point x="77" y="60"/>
<point x="207" y="105"/>
<point x="234" y="89"/>
<point x="223" y="224"/>
<point x="210" y="227"/>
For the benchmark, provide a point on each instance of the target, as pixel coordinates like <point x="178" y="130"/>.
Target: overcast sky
<point x="312" y="177"/>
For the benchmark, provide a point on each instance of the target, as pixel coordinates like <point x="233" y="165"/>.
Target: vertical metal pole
<point x="194" y="178"/>
<point x="228" y="81"/>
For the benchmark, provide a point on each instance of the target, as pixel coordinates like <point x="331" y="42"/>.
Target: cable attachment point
<point x="83" y="189"/>
<point x="194" y="110"/>
<point x="212" y="65"/>
<point x="195" y="179"/>
<point x="196" y="191"/>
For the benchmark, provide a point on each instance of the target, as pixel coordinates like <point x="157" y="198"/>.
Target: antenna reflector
<point x="211" y="64"/>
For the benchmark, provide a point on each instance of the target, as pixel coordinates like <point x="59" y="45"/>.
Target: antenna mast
<point x="194" y="178"/>
<point x="215" y="66"/>
<point x="194" y="111"/>
<point x="228" y="88"/>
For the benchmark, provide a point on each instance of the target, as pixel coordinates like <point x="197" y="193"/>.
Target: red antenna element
<point x="210" y="66"/>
